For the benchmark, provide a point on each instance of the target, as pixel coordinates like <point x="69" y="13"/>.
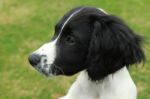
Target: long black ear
<point x="113" y="45"/>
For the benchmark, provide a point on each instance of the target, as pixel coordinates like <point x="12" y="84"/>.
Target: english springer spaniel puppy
<point x="100" y="45"/>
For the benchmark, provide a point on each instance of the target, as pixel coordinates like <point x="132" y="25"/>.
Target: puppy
<point x="100" y="45"/>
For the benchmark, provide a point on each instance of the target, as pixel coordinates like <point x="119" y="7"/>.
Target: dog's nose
<point x="34" y="59"/>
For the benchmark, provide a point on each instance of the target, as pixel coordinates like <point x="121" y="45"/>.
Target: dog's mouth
<point x="44" y="65"/>
<point x="49" y="70"/>
<point x="44" y="69"/>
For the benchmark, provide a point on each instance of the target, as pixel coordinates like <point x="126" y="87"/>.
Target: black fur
<point x="97" y="42"/>
<point x="113" y="45"/>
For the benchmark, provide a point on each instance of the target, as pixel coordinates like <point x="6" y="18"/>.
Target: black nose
<point x="34" y="59"/>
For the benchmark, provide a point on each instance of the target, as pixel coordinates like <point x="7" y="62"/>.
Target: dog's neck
<point x="115" y="86"/>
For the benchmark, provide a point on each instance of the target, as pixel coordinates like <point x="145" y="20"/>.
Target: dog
<point x="100" y="46"/>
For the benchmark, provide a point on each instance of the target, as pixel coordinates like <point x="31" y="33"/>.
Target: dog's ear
<point x="113" y="45"/>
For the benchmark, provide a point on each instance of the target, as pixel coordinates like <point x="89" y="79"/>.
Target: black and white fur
<point x="99" y="45"/>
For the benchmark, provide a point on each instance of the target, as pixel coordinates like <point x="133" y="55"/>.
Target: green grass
<point x="27" y="24"/>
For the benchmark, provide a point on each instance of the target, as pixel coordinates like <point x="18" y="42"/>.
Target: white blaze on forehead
<point x="74" y="13"/>
<point x="102" y="10"/>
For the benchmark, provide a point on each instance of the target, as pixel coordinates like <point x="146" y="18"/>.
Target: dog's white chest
<point x="115" y="86"/>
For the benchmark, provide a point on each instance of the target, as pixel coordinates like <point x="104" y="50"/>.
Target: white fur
<point x="48" y="49"/>
<point x="47" y="52"/>
<point x="115" y="86"/>
<point x="102" y="10"/>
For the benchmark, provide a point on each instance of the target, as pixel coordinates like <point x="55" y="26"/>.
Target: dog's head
<point x="88" y="38"/>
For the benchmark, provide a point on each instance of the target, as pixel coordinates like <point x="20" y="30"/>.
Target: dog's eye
<point x="70" y="40"/>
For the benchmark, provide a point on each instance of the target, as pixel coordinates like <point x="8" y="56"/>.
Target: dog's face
<point x="67" y="51"/>
<point x="85" y="38"/>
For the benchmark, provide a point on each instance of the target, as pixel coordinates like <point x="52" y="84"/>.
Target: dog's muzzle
<point x="39" y="62"/>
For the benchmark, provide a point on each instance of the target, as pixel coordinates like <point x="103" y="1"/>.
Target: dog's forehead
<point x="63" y="21"/>
<point x="77" y="13"/>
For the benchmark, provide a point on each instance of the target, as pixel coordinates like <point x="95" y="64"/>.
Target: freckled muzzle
<point x="40" y="63"/>
<point x="43" y="59"/>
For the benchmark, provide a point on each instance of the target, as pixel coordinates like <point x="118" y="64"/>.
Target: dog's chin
<point x="48" y="70"/>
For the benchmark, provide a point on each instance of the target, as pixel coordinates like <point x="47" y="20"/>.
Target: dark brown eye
<point x="70" y="40"/>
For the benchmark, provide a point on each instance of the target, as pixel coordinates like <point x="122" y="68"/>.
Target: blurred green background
<point x="27" y="24"/>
